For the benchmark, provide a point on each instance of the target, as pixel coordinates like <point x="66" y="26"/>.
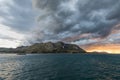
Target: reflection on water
<point x="9" y="66"/>
<point x="60" y="67"/>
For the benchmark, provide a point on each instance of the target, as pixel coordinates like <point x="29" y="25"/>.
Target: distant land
<point x="98" y="52"/>
<point x="48" y="47"/>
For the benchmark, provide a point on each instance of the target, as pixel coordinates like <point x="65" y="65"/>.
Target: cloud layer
<point x="62" y="19"/>
<point x="17" y="14"/>
<point x="17" y="18"/>
<point x="82" y="22"/>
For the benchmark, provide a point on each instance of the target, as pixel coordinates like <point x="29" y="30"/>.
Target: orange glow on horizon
<point x="109" y="48"/>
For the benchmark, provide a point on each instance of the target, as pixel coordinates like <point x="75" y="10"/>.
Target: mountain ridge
<point x="48" y="47"/>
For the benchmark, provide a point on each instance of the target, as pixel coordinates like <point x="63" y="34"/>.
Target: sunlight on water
<point x="9" y="66"/>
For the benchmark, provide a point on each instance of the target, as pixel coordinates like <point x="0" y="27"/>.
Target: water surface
<point x="59" y="67"/>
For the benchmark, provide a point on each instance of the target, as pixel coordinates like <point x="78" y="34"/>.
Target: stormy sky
<point x="83" y="22"/>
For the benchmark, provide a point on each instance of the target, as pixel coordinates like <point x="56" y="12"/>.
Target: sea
<point x="60" y="67"/>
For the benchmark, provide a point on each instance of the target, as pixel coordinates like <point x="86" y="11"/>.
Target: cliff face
<point x="58" y="47"/>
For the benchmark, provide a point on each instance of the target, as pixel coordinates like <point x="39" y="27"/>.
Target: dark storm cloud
<point x="17" y="14"/>
<point x="65" y="18"/>
<point x="115" y="12"/>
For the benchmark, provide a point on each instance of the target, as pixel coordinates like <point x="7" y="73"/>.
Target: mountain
<point x="58" y="47"/>
<point x="49" y="47"/>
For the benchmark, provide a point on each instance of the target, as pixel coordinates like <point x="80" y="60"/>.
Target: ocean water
<point x="60" y="67"/>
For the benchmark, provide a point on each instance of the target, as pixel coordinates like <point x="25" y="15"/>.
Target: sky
<point x="93" y="25"/>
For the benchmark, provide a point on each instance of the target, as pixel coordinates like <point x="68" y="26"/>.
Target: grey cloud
<point x="115" y="12"/>
<point x="18" y="15"/>
<point x="51" y="5"/>
<point x="6" y="37"/>
<point x="57" y="17"/>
